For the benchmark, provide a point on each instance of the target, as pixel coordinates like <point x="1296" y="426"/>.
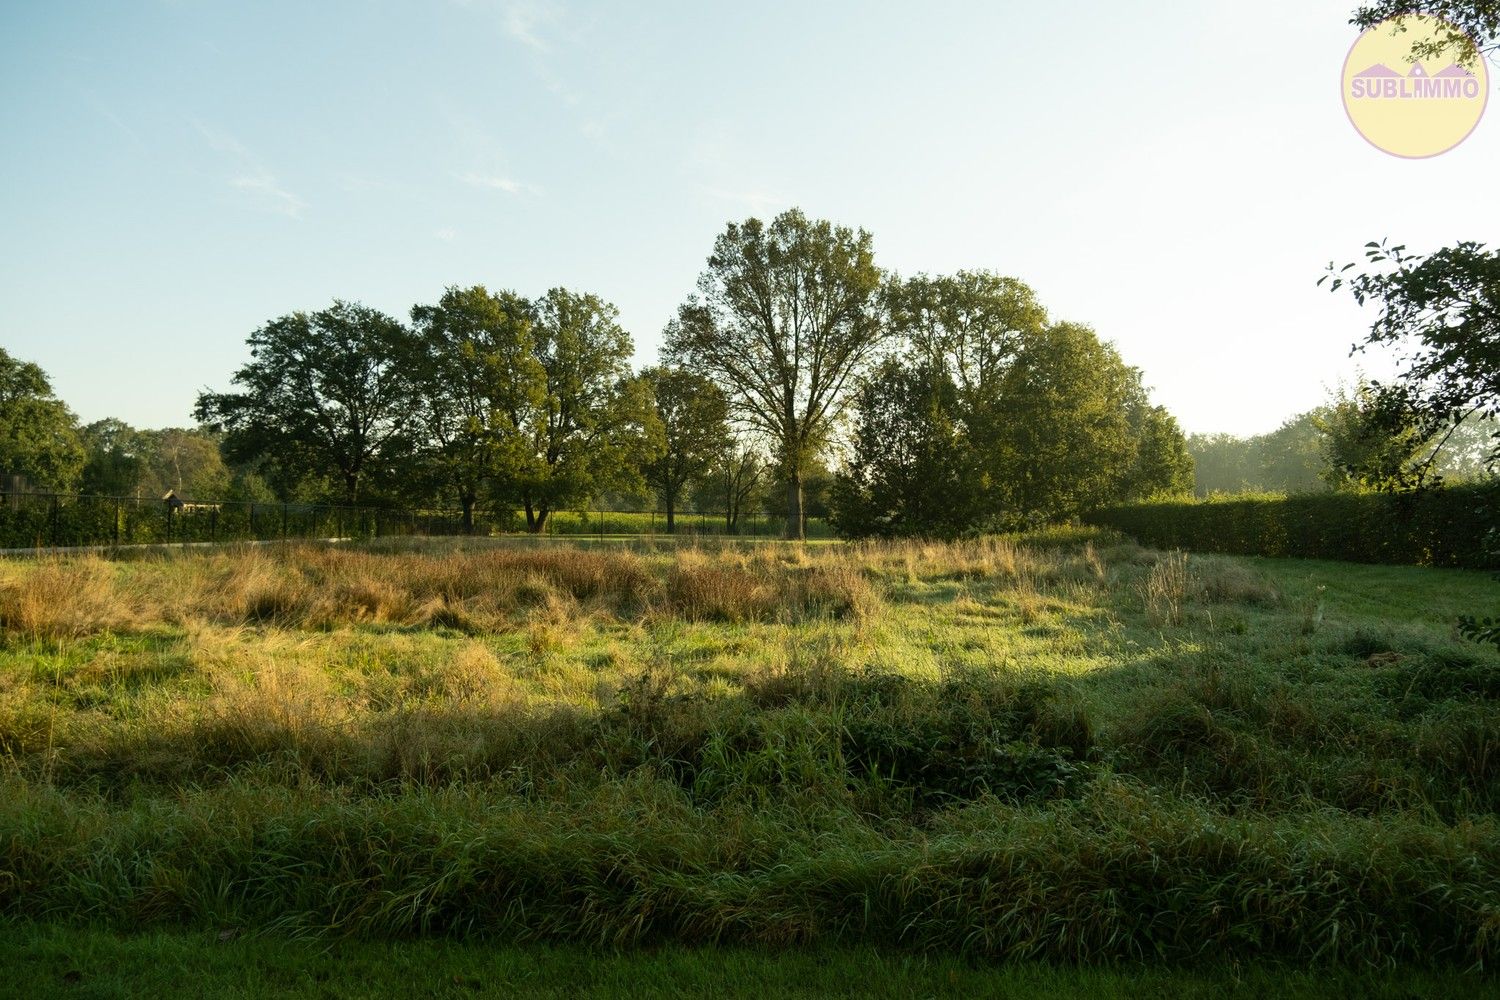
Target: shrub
<point x="1437" y="527"/>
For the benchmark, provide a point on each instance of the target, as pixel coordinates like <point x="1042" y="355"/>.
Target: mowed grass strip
<point x="42" y="961"/>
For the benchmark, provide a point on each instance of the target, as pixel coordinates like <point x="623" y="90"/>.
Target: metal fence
<point x="57" y="520"/>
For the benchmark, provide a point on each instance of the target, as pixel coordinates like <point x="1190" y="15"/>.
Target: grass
<point x="1062" y="748"/>
<point x="45" y="961"/>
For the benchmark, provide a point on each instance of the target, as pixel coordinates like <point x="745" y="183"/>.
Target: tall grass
<point x="1076" y="749"/>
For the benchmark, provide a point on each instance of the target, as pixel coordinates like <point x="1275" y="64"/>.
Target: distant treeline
<point x="1308" y="452"/>
<point x="941" y="404"/>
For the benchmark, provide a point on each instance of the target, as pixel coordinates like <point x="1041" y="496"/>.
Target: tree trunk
<point x="541" y="520"/>
<point x="671" y="514"/>
<point x="468" y="504"/>
<point x="351" y="488"/>
<point x="795" y="527"/>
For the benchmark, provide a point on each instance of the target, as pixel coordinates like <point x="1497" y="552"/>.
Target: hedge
<point x="1453" y="526"/>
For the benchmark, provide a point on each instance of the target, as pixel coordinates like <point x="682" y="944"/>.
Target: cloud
<point x="446" y="234"/>
<point x="524" y="19"/>
<point x="271" y="195"/>
<point x="495" y="182"/>
<point x="251" y="176"/>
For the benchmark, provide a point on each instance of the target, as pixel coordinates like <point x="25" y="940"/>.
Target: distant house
<point x="176" y="504"/>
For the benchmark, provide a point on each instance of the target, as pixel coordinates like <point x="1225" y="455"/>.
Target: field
<point x="1061" y="747"/>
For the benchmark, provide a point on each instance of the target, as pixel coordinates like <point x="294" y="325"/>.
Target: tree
<point x="1290" y="458"/>
<point x="1440" y="314"/>
<point x="694" y="419"/>
<point x="911" y="469"/>
<point x="1373" y="440"/>
<point x="592" y="424"/>
<point x="478" y="379"/>
<point x="114" y="463"/>
<point x="38" y="433"/>
<point x="1472" y="26"/>
<point x="734" y="482"/>
<point x="785" y="320"/>
<point x="329" y="392"/>
<point x="970" y="325"/>
<point x="1162" y="466"/>
<point x="186" y="460"/>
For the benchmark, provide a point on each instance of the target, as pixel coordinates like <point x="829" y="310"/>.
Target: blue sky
<point x="173" y="174"/>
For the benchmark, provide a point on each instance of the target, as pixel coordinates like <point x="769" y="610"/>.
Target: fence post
<point x="283" y="520"/>
<point x="115" y="534"/>
<point x="54" y="519"/>
<point x="213" y="524"/>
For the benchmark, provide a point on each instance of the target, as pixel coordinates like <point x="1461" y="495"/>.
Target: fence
<point x="51" y="520"/>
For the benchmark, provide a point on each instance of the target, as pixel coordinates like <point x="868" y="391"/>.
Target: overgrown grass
<point x="1063" y="747"/>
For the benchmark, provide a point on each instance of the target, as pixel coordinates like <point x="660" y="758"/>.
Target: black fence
<point x="54" y="520"/>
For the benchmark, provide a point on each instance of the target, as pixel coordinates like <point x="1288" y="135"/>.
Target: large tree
<point x="325" y="393"/>
<point x="115" y="458"/>
<point x="479" y="377"/>
<point x="785" y="319"/>
<point x="911" y="468"/>
<point x="694" y="419"/>
<point x="38" y="433"/>
<point x="592" y="425"/>
<point x="1069" y="444"/>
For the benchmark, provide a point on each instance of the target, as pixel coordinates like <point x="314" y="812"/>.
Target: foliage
<point x="1440" y="314"/>
<point x="38" y="433"/>
<point x="1372" y="439"/>
<point x="693" y="415"/>
<point x="1472" y="26"/>
<point x="911" y="469"/>
<point x="1289" y="459"/>
<point x="785" y="320"/>
<point x="479" y="380"/>
<point x="735" y="481"/>
<point x="1436" y="527"/>
<point x="326" y="392"/>
<point x="998" y="419"/>
<point x="591" y="427"/>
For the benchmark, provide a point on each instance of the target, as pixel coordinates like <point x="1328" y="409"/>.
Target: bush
<point x="1438" y="527"/>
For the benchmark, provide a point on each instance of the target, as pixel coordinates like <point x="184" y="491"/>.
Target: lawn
<point x="1061" y="748"/>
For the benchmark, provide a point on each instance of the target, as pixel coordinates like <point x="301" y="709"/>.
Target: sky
<point x="1177" y="176"/>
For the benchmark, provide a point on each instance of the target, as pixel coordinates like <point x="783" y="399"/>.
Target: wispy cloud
<point x="251" y="176"/>
<point x="447" y="234"/>
<point x="272" y="196"/>
<point x="495" y="182"/>
<point x="526" y="21"/>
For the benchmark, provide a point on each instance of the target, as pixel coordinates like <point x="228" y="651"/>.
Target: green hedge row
<point x="1454" y="526"/>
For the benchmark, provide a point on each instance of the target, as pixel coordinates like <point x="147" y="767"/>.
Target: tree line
<point x="944" y="403"/>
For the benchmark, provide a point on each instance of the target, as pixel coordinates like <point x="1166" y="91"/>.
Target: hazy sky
<point x="173" y="174"/>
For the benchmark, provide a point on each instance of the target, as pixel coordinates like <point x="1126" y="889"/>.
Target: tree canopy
<point x="996" y="418"/>
<point x="694" y="419"/>
<point x="38" y="433"/>
<point x="785" y="320"/>
<point x="329" y="392"/>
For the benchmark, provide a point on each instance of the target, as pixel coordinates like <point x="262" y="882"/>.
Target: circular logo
<point x="1415" y="107"/>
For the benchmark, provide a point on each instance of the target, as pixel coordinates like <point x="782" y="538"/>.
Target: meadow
<point x="1061" y="747"/>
